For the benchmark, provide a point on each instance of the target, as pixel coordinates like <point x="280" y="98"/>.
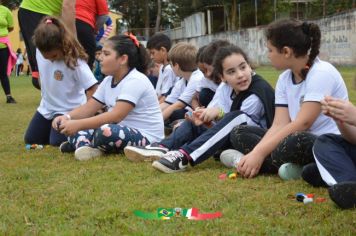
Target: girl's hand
<point x="58" y="121"/>
<point x="194" y="116"/>
<point x="70" y="127"/>
<point x="249" y="165"/>
<point x="209" y="114"/>
<point x="343" y="111"/>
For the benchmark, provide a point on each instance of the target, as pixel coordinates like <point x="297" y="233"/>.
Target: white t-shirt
<point x="184" y="90"/>
<point x="207" y="83"/>
<point x="166" y="80"/>
<point x="136" y="89"/>
<point x="19" y="59"/>
<point x="252" y="105"/>
<point x="62" y="88"/>
<point x="322" y="79"/>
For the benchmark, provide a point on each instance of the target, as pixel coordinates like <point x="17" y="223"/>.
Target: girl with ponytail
<point x="133" y="115"/>
<point x="293" y="46"/>
<point x="66" y="79"/>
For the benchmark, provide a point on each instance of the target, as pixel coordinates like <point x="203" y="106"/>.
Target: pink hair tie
<point x="49" y="21"/>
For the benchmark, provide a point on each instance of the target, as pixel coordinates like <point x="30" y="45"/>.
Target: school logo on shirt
<point x="58" y="75"/>
<point x="301" y="100"/>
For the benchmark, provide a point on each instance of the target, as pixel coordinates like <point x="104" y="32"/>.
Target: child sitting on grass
<point x="133" y="116"/>
<point x="246" y="98"/>
<point x="159" y="45"/>
<point x="335" y="155"/>
<point x="183" y="60"/>
<point x="207" y="87"/>
<point x="65" y="77"/>
<point x="293" y="46"/>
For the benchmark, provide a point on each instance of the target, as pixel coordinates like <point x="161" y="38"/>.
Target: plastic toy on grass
<point x="308" y="198"/>
<point x="34" y="146"/>
<point x="230" y="175"/>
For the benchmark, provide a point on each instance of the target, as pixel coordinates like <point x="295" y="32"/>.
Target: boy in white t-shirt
<point x="183" y="61"/>
<point x="159" y="45"/>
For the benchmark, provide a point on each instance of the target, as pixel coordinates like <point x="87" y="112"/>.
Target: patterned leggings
<point x="295" y="148"/>
<point x="110" y="138"/>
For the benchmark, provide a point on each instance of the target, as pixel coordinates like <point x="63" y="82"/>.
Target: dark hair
<point x="300" y="36"/>
<point x="52" y="34"/>
<point x="200" y="51"/>
<point x="224" y="52"/>
<point x="159" y="40"/>
<point x="137" y="55"/>
<point x="207" y="55"/>
<point x="98" y="47"/>
<point x="19" y="49"/>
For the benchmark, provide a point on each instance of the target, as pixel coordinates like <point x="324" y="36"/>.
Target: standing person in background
<point x="103" y="33"/>
<point x="30" y="14"/>
<point x="7" y="57"/>
<point x="90" y="16"/>
<point x="19" y="62"/>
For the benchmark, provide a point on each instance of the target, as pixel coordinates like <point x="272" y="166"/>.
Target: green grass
<point x="46" y="192"/>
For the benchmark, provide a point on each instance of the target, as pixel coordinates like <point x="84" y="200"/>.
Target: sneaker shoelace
<point x="172" y="156"/>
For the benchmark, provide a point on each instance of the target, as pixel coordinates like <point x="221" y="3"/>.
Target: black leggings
<point x="295" y="148"/>
<point x="5" y="83"/>
<point x="28" y="21"/>
<point x="86" y="37"/>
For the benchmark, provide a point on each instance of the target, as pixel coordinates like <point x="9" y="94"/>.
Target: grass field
<point x="46" y="192"/>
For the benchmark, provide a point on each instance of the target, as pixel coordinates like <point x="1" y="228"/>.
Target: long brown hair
<point x="52" y="34"/>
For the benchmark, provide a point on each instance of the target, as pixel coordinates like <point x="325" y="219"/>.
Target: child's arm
<point x="195" y="101"/>
<point x="170" y="109"/>
<point x="250" y="164"/>
<point x="84" y="111"/>
<point x="89" y="92"/>
<point x="119" y="112"/>
<point x="161" y="99"/>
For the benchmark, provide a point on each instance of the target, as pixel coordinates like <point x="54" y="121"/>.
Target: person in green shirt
<point x="30" y="14"/>
<point x="6" y="26"/>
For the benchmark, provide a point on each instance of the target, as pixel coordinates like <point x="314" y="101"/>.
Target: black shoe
<point x="10" y="99"/>
<point x="344" y="194"/>
<point x="171" y="162"/>
<point x="66" y="147"/>
<point x="311" y="175"/>
<point x="150" y="152"/>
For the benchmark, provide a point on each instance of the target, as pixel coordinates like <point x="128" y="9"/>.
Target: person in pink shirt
<point x="6" y="26"/>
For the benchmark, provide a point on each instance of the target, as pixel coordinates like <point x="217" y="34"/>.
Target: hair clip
<point x="48" y="21"/>
<point x="134" y="39"/>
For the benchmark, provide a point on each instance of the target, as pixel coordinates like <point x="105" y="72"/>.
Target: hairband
<point x="49" y="21"/>
<point x="134" y="39"/>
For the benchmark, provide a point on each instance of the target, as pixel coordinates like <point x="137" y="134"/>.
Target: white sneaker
<point x="148" y="153"/>
<point x="289" y="171"/>
<point x="230" y="158"/>
<point x="86" y="153"/>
